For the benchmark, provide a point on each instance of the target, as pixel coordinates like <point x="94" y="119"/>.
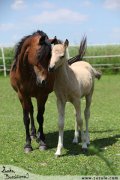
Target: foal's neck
<point x="62" y="73"/>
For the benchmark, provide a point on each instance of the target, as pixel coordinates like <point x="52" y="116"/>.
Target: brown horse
<point x="28" y="75"/>
<point x="30" y="78"/>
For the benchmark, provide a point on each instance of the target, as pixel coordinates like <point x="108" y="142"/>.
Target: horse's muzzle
<point x="43" y="83"/>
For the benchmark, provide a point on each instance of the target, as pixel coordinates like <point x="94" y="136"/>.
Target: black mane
<point x="44" y="54"/>
<point x="41" y="33"/>
<point x="19" y="45"/>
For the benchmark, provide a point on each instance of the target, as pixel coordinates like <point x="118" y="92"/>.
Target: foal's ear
<point x="66" y="43"/>
<point x="42" y="40"/>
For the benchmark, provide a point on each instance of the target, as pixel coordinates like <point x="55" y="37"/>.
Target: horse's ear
<point x="54" y="41"/>
<point x="42" y="40"/>
<point x="66" y="43"/>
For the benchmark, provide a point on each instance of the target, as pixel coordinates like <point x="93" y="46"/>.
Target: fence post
<point x="3" y="58"/>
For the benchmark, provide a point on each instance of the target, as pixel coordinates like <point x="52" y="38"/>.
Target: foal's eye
<point x="62" y="57"/>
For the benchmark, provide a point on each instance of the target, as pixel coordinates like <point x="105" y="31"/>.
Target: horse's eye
<point x="62" y="57"/>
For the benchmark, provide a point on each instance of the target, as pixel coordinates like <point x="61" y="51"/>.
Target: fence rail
<point x="5" y="68"/>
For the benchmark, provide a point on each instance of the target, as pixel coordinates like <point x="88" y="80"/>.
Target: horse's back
<point x="81" y="65"/>
<point x="84" y="75"/>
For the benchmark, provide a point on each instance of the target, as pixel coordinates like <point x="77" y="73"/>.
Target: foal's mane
<point x="82" y="51"/>
<point x="19" y="45"/>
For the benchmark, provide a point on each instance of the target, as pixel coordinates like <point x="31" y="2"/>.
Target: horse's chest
<point x="63" y="91"/>
<point x="28" y="88"/>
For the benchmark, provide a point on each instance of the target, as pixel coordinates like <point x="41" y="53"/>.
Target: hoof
<point x="74" y="142"/>
<point x="84" y="150"/>
<point x="28" y="149"/>
<point x="88" y="143"/>
<point x="43" y="147"/>
<point x="57" y="156"/>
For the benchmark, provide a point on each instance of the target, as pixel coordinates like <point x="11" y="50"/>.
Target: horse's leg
<point x="76" y="134"/>
<point x="87" y="116"/>
<point x="79" y="121"/>
<point x="41" y="108"/>
<point x="26" y="109"/>
<point x="61" y="112"/>
<point x="33" y="129"/>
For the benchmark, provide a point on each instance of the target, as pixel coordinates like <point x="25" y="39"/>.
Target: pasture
<point x="103" y="157"/>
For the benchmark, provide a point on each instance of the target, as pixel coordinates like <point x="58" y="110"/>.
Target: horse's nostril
<point x="51" y="69"/>
<point x="43" y="82"/>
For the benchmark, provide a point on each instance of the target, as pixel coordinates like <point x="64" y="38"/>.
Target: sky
<point x="99" y="20"/>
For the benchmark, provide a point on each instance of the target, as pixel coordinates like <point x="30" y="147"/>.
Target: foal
<point x="71" y="84"/>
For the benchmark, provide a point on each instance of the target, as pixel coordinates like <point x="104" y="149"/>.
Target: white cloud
<point x="44" y="5"/>
<point x="87" y="3"/>
<point x="18" y="5"/>
<point x="6" y="26"/>
<point x="112" y="4"/>
<point x="59" y="16"/>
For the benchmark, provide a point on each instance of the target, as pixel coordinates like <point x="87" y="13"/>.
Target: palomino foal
<point x="72" y="83"/>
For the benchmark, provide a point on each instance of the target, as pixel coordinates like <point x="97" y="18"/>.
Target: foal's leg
<point x="61" y="112"/>
<point x="33" y="129"/>
<point x="79" y="122"/>
<point x="87" y="116"/>
<point x="76" y="134"/>
<point x="41" y="108"/>
<point x="26" y="109"/>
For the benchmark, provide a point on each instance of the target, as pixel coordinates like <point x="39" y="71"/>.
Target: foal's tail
<point x="97" y="74"/>
<point x="82" y="50"/>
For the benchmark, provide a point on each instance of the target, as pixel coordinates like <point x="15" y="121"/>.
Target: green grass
<point x="103" y="157"/>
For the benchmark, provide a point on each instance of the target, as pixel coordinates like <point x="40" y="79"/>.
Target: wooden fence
<point x="4" y="68"/>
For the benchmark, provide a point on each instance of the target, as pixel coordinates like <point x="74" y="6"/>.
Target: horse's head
<point x="32" y="55"/>
<point x="58" y="56"/>
<point x="39" y="56"/>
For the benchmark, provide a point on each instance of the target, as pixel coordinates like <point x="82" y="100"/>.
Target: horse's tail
<point x="97" y="74"/>
<point x="82" y="50"/>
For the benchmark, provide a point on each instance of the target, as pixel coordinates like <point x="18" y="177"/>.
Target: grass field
<point x="103" y="157"/>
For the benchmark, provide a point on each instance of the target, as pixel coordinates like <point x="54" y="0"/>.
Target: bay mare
<point x="71" y="84"/>
<point x="30" y="78"/>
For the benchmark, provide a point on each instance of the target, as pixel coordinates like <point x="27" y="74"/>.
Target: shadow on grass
<point x="72" y="149"/>
<point x="95" y="148"/>
<point x="104" y="131"/>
